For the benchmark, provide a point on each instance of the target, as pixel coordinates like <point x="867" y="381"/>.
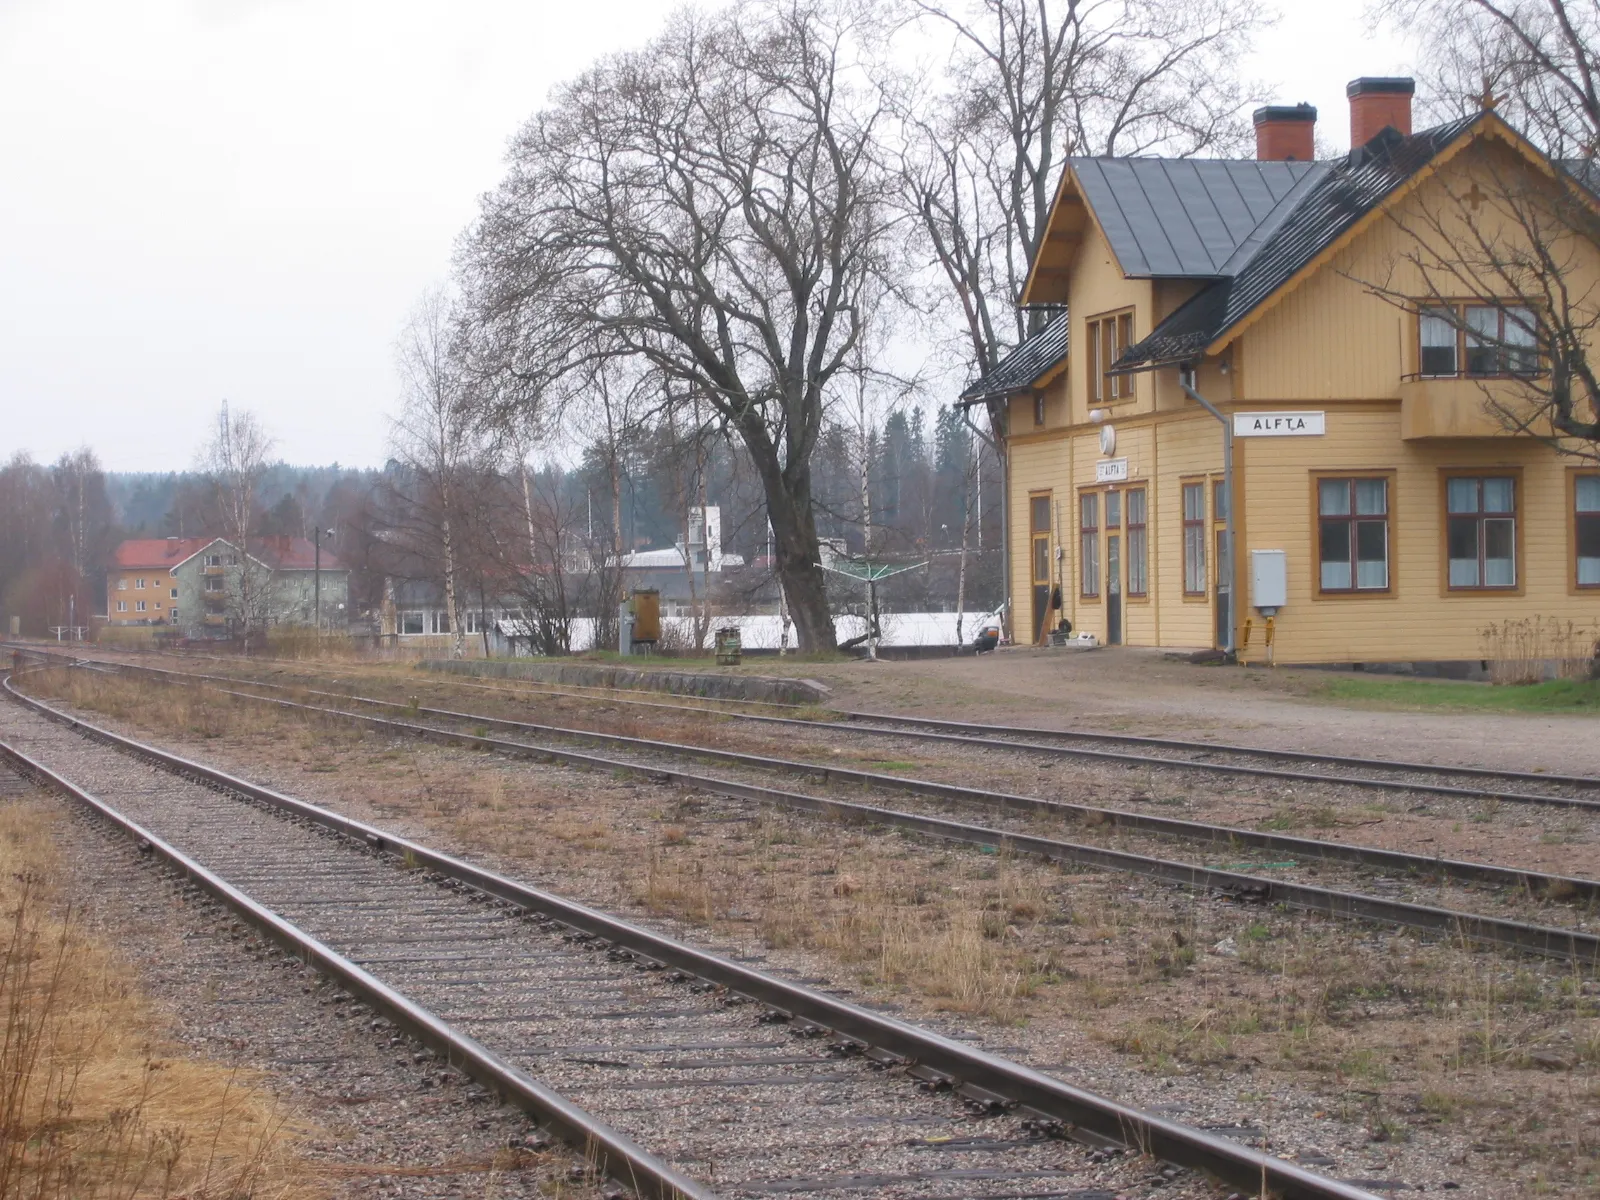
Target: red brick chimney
<point x="1376" y="103"/>
<point x="1285" y="133"/>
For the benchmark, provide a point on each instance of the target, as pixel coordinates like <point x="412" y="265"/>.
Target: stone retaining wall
<point x="760" y="688"/>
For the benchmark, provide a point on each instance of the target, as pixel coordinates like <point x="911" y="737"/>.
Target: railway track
<point x="1579" y="945"/>
<point x="678" y="1072"/>
<point x="1471" y="784"/>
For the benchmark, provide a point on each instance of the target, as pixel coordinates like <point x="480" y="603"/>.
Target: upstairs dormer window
<point x="1105" y="339"/>
<point x="1477" y="340"/>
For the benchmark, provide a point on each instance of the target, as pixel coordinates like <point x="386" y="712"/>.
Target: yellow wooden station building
<point x="1382" y="512"/>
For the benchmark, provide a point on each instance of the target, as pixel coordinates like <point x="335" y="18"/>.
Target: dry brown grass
<point x="95" y="1104"/>
<point x="1410" y="1034"/>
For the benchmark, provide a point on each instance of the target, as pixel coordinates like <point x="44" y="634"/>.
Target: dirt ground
<point x="1136" y="690"/>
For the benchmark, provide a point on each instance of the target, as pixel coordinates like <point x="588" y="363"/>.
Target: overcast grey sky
<point x="203" y="199"/>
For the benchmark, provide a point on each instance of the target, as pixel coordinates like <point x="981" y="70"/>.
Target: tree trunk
<point x="794" y="535"/>
<point x="458" y="641"/>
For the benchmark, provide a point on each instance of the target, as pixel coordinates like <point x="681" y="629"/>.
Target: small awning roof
<point x="1019" y="370"/>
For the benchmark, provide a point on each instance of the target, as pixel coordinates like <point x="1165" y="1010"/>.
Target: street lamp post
<point x="316" y="574"/>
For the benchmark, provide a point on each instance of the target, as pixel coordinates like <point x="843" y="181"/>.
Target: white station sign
<point x="1111" y="470"/>
<point x="1280" y="424"/>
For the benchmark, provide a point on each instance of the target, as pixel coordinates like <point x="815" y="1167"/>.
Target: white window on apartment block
<point x="213" y="583"/>
<point x="174" y="593"/>
<point x="138" y="606"/>
<point x="122" y="606"/>
<point x="122" y="585"/>
<point x="138" y="585"/>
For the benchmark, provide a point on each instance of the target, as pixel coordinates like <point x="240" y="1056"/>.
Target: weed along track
<point x="1470" y="902"/>
<point x="677" y="1071"/>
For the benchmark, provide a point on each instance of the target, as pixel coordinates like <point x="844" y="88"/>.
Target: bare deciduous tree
<point x="714" y="204"/>
<point x="1504" y="274"/>
<point x="1539" y="58"/>
<point x="234" y="461"/>
<point x="1031" y="81"/>
<point x="440" y="438"/>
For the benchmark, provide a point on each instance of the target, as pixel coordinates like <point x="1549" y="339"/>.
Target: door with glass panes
<point x="1039" y="559"/>
<point x="1113" y="568"/>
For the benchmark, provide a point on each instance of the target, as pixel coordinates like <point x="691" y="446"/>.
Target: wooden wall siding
<point x="1331" y="339"/>
<point x="1160" y="454"/>
<point x="1326" y="344"/>
<point x="1419" y="620"/>
<point x="1099" y="286"/>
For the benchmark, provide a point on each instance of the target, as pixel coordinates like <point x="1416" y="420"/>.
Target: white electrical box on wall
<point x="1269" y="580"/>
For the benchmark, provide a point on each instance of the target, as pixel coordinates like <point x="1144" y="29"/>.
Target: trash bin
<point x="730" y="648"/>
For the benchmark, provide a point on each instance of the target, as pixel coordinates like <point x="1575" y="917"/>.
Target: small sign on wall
<point x="1111" y="470"/>
<point x="1280" y="424"/>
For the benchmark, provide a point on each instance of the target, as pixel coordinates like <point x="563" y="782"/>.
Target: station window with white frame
<point x="411" y="622"/>
<point x="1353" y="534"/>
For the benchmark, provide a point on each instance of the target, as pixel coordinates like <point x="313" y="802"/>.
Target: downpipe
<point x="1186" y="380"/>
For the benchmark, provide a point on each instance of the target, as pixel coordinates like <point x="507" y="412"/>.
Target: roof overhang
<point x="1064" y="229"/>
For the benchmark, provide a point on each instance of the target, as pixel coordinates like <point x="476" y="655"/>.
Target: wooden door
<point x="1039" y="558"/>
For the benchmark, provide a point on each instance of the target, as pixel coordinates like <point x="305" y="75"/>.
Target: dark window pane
<point x="1589" y="550"/>
<point x="1336" y="541"/>
<point x="1335" y="555"/>
<point x="1040" y="516"/>
<point x="1483" y="335"/>
<point x="1439" y="360"/>
<point x="1462" y="539"/>
<point x="1499" y="552"/>
<point x="1372" y="554"/>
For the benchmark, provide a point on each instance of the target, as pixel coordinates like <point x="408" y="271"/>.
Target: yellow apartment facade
<point x="141" y="587"/>
<point x="1381" y="510"/>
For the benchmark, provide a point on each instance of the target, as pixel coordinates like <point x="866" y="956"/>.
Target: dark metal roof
<point x="1336" y="198"/>
<point x="1585" y="170"/>
<point x="1017" y="371"/>
<point x="1185" y="217"/>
